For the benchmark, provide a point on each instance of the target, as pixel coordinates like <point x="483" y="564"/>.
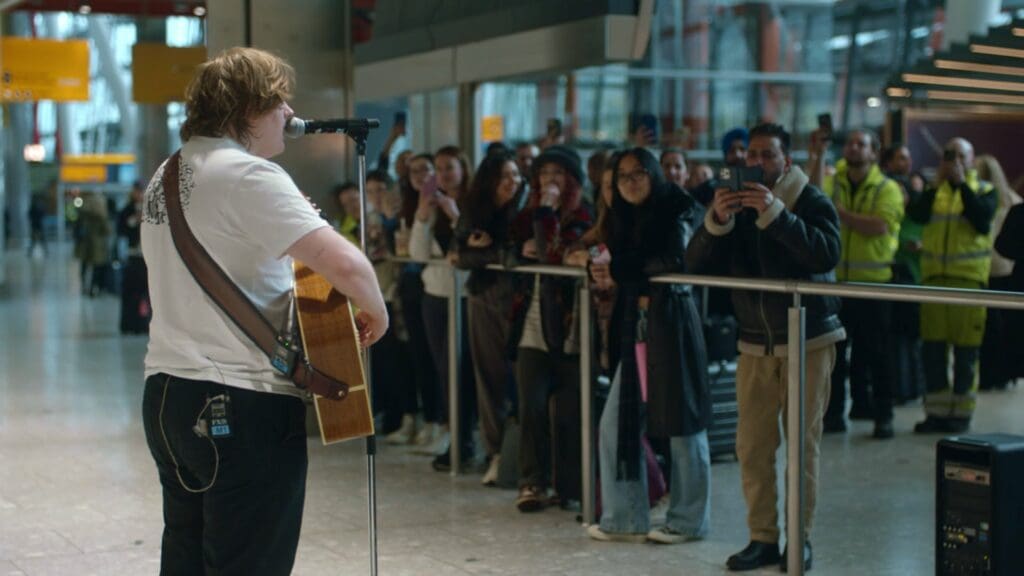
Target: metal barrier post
<point x="795" y="424"/>
<point x="454" y="356"/>
<point x="586" y="407"/>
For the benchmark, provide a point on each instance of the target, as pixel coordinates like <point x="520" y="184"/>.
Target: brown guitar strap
<point x="284" y="354"/>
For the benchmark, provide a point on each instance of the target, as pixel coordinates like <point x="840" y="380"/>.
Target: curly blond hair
<point x="229" y="90"/>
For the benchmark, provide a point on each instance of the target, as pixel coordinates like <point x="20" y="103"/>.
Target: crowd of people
<point x="627" y="215"/>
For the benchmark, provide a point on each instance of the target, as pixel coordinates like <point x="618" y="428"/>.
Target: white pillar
<point x="966" y="17"/>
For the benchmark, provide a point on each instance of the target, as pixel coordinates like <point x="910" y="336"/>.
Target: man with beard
<point x="870" y="207"/>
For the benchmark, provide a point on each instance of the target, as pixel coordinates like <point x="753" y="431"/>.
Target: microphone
<point x="298" y="127"/>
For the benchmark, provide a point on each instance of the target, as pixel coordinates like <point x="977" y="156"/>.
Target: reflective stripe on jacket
<point x="951" y="246"/>
<point x="867" y="258"/>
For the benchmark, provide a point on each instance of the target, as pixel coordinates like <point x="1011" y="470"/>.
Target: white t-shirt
<point x="246" y="212"/>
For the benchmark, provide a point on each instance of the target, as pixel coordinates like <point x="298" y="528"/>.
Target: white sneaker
<point x="425" y="434"/>
<point x="595" y="532"/>
<point x="666" y="535"/>
<point x="432" y="440"/>
<point x="490" y="477"/>
<point x="405" y="432"/>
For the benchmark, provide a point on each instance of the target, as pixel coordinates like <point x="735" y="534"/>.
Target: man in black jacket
<point x="779" y="228"/>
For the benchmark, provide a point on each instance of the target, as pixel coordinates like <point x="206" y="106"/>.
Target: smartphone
<point x="949" y="155"/>
<point x="400" y="117"/>
<point x="554" y="127"/>
<point x="825" y="124"/>
<point x="733" y="177"/>
<point x="599" y="254"/>
<point x="650" y="122"/>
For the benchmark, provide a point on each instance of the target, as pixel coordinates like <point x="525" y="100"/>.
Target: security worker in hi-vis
<point x="870" y="208"/>
<point x="956" y="253"/>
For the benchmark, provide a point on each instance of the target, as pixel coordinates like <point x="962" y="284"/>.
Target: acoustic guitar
<point x="331" y="342"/>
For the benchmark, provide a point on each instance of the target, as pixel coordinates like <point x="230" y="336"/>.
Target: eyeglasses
<point x="635" y="177"/>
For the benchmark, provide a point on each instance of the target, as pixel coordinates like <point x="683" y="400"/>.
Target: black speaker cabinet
<point x="979" y="512"/>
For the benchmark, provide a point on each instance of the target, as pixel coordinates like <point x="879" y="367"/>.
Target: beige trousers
<point x="761" y="383"/>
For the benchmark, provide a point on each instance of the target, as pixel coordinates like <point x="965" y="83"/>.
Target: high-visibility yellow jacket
<point x="953" y="246"/>
<point x="867" y="258"/>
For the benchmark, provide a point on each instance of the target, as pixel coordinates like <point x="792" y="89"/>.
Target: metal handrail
<point x="897" y="292"/>
<point x="796" y="356"/>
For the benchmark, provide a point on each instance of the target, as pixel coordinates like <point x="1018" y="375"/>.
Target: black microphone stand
<point x="359" y="135"/>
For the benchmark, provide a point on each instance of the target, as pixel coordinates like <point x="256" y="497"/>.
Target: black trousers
<point x="489" y="328"/>
<point x="867" y="324"/>
<point x="424" y="375"/>
<point x="435" y="319"/>
<point x="549" y="419"/>
<point x="248" y="521"/>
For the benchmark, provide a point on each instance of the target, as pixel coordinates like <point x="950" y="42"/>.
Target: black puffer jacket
<point x="799" y="242"/>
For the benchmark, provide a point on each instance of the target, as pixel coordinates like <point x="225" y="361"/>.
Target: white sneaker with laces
<point x="595" y="532"/>
<point x="405" y="432"/>
<point x="435" y="441"/>
<point x="666" y="535"/>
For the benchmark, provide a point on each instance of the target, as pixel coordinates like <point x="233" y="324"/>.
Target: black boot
<point x="755" y="555"/>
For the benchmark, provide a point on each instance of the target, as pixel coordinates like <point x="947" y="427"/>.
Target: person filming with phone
<point x="956" y="252"/>
<point x="775" y="226"/>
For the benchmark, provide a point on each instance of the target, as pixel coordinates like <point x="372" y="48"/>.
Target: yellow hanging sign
<point x="492" y="128"/>
<point x="32" y="69"/>
<point x="161" y="73"/>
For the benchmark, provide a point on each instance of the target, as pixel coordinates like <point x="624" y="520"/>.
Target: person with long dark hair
<point x="432" y="237"/>
<point x="483" y="237"/>
<point x="424" y="384"/>
<point x="661" y="381"/>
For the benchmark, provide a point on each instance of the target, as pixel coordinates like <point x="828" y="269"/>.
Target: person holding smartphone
<point x="956" y="252"/>
<point x="780" y="227"/>
<point x="433" y="237"/>
<point x="483" y="236"/>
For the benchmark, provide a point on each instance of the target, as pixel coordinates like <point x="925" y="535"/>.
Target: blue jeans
<point x="624" y="503"/>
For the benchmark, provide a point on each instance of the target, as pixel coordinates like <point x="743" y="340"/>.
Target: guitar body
<point x="331" y="343"/>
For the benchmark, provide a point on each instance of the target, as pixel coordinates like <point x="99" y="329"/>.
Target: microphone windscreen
<point x="295" y="127"/>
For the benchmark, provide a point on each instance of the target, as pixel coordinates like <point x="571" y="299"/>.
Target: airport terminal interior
<point x="93" y="101"/>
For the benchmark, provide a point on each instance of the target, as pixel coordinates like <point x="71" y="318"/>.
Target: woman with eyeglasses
<point x="432" y="237"/>
<point x="423" y="389"/>
<point x="483" y="236"/>
<point x="545" y="334"/>
<point x="660" y="386"/>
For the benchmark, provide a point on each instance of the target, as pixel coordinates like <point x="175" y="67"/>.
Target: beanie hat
<point x="565" y="157"/>
<point x="732" y="135"/>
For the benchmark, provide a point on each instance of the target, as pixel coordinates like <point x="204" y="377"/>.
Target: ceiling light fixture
<point x="975" y="97"/>
<point x="873" y="102"/>
<point x="84" y="9"/>
<point x="894" y="92"/>
<point x="997" y="51"/>
<point x="199" y="11"/>
<point x="1018" y="31"/>
<point x="963" y="82"/>
<point x="975" y="67"/>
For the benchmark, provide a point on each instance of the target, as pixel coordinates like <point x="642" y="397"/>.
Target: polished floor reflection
<point x="79" y="495"/>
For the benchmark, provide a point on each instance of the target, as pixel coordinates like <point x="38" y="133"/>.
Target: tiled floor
<point x="79" y="495"/>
